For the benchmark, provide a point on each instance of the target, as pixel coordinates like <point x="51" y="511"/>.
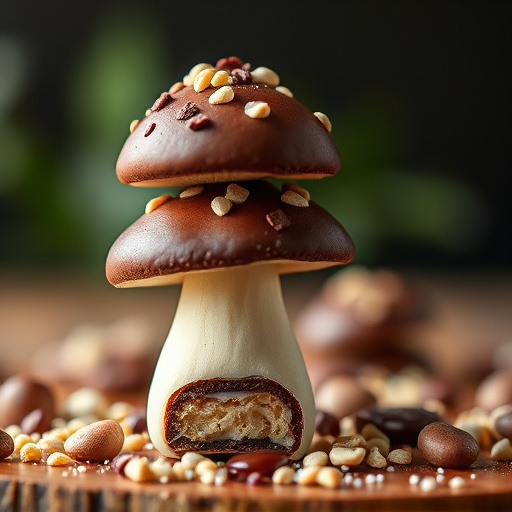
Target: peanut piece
<point x="138" y="470"/>
<point x="329" y="477"/>
<point x="192" y="74"/>
<point x="400" y="456"/>
<point x="381" y="444"/>
<point x="20" y="441"/>
<point x="347" y="456"/>
<point x="59" y="459"/>
<point x="154" y="203"/>
<point x="134" y="125"/>
<point x="370" y="431"/>
<point x="290" y="197"/>
<point x="257" y="109"/>
<point x="135" y="442"/>
<point x="316" y="459"/>
<point x="285" y="91"/>
<point x="202" y="80"/>
<point x="502" y="450"/>
<point x="354" y="441"/>
<point x="295" y="188"/>
<point x="324" y="120"/>
<point x="220" y="78"/>
<point x="223" y="95"/>
<point x="118" y="411"/>
<point x="191" y="459"/>
<point x="191" y="191"/>
<point x="30" y="452"/>
<point x="207" y="476"/>
<point x="176" y="87"/>
<point x="236" y="193"/>
<point x="205" y="466"/>
<point x="283" y="475"/>
<point x="221" y="206"/>
<point x="263" y="75"/>
<point x="307" y="476"/>
<point x="375" y="459"/>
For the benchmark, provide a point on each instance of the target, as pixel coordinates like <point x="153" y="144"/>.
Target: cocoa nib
<point x="188" y="110"/>
<point x="149" y="129"/>
<point x="160" y="103"/>
<point x="278" y="220"/>
<point x="229" y="63"/>
<point x="241" y="76"/>
<point x="197" y="122"/>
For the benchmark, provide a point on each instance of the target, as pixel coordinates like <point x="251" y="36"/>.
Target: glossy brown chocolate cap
<point x="290" y="143"/>
<point x="186" y="235"/>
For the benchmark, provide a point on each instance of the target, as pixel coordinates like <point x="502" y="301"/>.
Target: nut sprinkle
<point x="188" y="110"/>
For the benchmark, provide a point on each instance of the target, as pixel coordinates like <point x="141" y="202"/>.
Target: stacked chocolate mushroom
<point x="230" y="377"/>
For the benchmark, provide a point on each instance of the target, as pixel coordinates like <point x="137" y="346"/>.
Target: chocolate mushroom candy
<point x="226" y="143"/>
<point x="230" y="376"/>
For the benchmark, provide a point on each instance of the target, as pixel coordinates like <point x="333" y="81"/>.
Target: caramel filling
<point x="236" y="416"/>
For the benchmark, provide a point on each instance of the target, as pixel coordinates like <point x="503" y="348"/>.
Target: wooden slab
<point x="26" y="487"/>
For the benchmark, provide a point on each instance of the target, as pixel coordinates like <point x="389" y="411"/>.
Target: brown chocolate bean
<point x="6" y="444"/>
<point x="19" y="396"/>
<point x="401" y="424"/>
<point x="503" y="425"/>
<point x="264" y="462"/>
<point x="446" y="446"/>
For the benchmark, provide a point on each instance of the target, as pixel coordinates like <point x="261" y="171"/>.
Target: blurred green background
<point x="418" y="93"/>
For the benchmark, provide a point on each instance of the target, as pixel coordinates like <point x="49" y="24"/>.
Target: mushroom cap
<point x="291" y="143"/>
<point x="186" y="235"/>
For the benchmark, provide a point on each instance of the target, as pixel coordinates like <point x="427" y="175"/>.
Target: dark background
<point x="418" y="93"/>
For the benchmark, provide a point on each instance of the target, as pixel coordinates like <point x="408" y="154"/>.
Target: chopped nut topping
<point x="197" y="122"/>
<point x="160" y="103"/>
<point x="188" y="110"/>
<point x="149" y="129"/>
<point x="221" y="77"/>
<point x="148" y="111"/>
<point x="154" y="203"/>
<point x="241" y="76"/>
<point x="229" y="63"/>
<point x="400" y="456"/>
<point x="203" y="79"/>
<point x="291" y="197"/>
<point x="285" y="91"/>
<point x="134" y="125"/>
<point x="223" y="95"/>
<point x="191" y="191"/>
<point x="263" y="75"/>
<point x="221" y="206"/>
<point x="324" y="120"/>
<point x="278" y="220"/>
<point x="176" y="87"/>
<point x="257" y="109"/>
<point x="236" y="193"/>
<point x="295" y="188"/>
<point x="192" y="74"/>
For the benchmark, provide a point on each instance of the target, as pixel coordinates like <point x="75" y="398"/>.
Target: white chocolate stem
<point x="231" y="323"/>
